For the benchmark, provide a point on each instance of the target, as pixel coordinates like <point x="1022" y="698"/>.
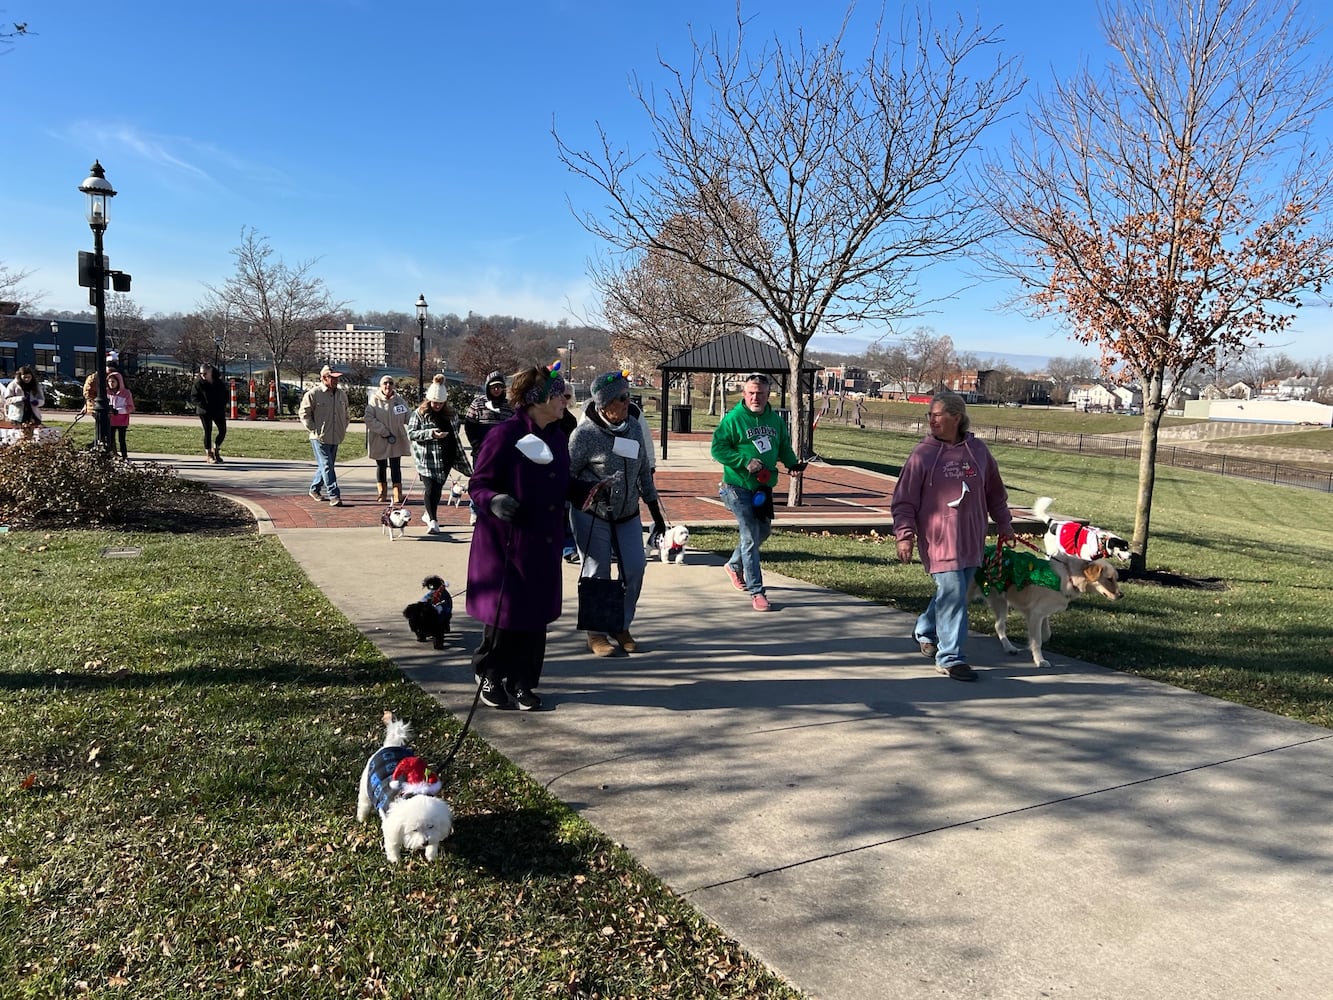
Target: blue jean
<point x="944" y="622"/>
<point x="754" y="532"/>
<point x="593" y="537"/>
<point x="326" y="468"/>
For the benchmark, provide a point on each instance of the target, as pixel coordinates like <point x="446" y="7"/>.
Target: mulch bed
<point x="190" y="512"/>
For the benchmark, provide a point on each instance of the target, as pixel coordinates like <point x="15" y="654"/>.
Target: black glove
<point x="797" y="469"/>
<point x="659" y="522"/>
<point x="504" y="506"/>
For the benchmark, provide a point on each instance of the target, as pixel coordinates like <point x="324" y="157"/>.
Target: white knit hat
<point x="436" y="391"/>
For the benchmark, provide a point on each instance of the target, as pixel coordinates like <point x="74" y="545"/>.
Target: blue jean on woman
<point x="754" y="532"/>
<point x="592" y="535"/>
<point x="326" y="468"/>
<point x="944" y="622"/>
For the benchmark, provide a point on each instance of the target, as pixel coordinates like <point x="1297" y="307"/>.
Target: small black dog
<point x="430" y="617"/>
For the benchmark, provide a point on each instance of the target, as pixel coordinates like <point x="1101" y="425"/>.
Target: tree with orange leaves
<point x="1174" y="211"/>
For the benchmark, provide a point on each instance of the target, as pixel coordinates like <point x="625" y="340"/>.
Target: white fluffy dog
<point x="397" y="784"/>
<point x="671" y="545"/>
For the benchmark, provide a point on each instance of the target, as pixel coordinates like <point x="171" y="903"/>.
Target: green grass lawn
<point x="180" y="736"/>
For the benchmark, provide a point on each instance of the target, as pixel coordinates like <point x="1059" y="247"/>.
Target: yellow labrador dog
<point x="1038" y="588"/>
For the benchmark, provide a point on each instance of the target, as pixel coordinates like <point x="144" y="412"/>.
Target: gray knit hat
<point x="609" y="387"/>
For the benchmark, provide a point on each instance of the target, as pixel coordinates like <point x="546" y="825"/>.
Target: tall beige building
<point x="371" y="345"/>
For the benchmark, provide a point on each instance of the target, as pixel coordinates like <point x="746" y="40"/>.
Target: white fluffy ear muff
<point x="534" y="449"/>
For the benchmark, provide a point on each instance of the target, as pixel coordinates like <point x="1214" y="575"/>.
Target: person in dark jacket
<point x="519" y="483"/>
<point x="210" y="397"/>
<point x="487" y="409"/>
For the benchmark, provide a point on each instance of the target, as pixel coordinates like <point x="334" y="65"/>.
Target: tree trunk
<point x="1153" y="409"/>
<point x="796" y="484"/>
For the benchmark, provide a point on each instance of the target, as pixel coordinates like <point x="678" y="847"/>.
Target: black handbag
<point x="601" y="602"/>
<point x="601" y="605"/>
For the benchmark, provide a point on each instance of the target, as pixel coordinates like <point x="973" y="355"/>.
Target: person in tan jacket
<point x="324" y="415"/>
<point x="386" y="438"/>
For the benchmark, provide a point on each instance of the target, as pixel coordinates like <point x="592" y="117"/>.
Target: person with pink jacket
<point x="948" y="492"/>
<point x="121" y="404"/>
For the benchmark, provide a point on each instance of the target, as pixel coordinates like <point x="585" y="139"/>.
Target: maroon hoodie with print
<point x="946" y="495"/>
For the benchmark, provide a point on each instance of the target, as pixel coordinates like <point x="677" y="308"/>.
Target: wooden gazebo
<point x="737" y="354"/>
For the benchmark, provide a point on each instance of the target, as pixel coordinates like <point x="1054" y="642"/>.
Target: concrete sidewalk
<point x="869" y="828"/>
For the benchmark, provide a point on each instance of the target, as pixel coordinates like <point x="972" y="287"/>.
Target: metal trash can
<point x="681" y="416"/>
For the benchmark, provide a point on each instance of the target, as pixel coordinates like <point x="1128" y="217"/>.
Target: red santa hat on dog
<point x="412" y="777"/>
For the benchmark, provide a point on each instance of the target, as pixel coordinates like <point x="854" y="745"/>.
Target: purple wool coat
<point x="514" y="567"/>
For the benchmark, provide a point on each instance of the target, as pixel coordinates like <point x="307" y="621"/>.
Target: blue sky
<point x="406" y="144"/>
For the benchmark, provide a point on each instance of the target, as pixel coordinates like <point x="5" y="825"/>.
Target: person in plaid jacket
<point x="430" y="429"/>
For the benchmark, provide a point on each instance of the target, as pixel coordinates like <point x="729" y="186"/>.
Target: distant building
<point x="32" y="340"/>
<point x="373" y="346"/>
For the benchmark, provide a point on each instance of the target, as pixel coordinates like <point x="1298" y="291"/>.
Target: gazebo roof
<point x="736" y="352"/>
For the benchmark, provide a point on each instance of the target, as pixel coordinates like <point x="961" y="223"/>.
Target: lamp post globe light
<point x="55" y="352"/>
<point x="421" y="344"/>
<point x="99" y="192"/>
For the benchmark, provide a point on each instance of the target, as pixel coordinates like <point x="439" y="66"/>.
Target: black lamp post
<point x="99" y="192"/>
<point x="55" y="344"/>
<point x="569" y="360"/>
<point x="421" y="344"/>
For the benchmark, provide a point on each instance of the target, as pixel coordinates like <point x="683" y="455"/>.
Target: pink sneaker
<point x="737" y="580"/>
<point x="760" y="603"/>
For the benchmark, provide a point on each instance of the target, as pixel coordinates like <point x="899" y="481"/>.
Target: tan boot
<point x="381" y="492"/>
<point x="601" y="645"/>
<point x="627" y="642"/>
<point x="398" y="495"/>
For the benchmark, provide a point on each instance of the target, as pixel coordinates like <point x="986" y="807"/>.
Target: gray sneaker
<point x="928" y="648"/>
<point x="316" y="494"/>
<point x="335" y="501"/>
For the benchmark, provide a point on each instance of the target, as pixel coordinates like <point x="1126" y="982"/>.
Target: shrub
<point x="64" y="485"/>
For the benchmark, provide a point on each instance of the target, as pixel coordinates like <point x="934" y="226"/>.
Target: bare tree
<point x="12" y="289"/>
<point x="128" y="332"/>
<point x="277" y="303"/>
<point x="1174" y="208"/>
<point x="486" y="351"/>
<point x="819" y="186"/>
<point x="660" y="307"/>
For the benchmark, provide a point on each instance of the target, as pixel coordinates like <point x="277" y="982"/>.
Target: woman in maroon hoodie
<point x="948" y="490"/>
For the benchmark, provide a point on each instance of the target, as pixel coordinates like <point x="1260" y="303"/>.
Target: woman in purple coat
<point x="519" y="483"/>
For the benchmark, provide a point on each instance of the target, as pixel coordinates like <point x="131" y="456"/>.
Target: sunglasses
<point x="757" y="377"/>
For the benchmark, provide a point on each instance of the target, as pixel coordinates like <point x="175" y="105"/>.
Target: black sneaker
<point x="958" y="672"/>
<point x="525" y="698"/>
<point x="493" y="695"/>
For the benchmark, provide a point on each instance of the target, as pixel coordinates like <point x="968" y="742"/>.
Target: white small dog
<point x="671" y="545"/>
<point x="456" y="494"/>
<point x="394" y="518"/>
<point x="1078" y="538"/>
<point x="397" y="784"/>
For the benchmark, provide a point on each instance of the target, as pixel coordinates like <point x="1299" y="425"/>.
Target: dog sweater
<point x="1073" y="536"/>
<point x="379" y="773"/>
<point x="1005" y="569"/>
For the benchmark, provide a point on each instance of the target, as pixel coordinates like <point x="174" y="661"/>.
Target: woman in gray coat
<point x="609" y="445"/>
<point x="386" y="438"/>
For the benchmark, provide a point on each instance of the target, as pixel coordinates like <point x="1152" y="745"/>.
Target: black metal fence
<point x="1128" y="447"/>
